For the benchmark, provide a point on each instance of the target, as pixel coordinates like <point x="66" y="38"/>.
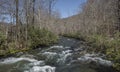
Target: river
<point x="68" y="55"/>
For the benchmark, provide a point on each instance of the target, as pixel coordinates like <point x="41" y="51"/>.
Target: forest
<point x="26" y="25"/>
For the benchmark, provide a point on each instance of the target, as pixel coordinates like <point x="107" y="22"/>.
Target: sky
<point x="68" y="7"/>
<point x="65" y="7"/>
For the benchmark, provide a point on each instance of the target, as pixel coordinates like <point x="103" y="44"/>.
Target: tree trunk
<point x="17" y="22"/>
<point x="33" y="19"/>
<point x="119" y="15"/>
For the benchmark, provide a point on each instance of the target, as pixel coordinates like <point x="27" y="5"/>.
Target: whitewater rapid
<point x="62" y="57"/>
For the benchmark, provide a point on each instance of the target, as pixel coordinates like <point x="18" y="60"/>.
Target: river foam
<point x="94" y="58"/>
<point x="14" y="60"/>
<point x="41" y="69"/>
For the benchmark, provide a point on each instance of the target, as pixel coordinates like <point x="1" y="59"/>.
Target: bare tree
<point x="33" y="20"/>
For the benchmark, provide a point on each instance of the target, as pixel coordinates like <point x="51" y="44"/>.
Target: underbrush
<point x="41" y="37"/>
<point x="36" y="38"/>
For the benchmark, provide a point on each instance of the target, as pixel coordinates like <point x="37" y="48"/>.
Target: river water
<point x="69" y="55"/>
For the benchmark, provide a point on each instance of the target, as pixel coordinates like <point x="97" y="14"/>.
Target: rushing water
<point x="66" y="56"/>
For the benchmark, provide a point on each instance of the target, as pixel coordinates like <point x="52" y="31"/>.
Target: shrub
<point x="13" y="48"/>
<point x="2" y="38"/>
<point x="98" y="42"/>
<point x="41" y="37"/>
<point x="2" y="43"/>
<point x="113" y="52"/>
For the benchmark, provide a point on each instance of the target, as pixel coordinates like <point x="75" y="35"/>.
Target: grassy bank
<point x="36" y="38"/>
<point x="103" y="44"/>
